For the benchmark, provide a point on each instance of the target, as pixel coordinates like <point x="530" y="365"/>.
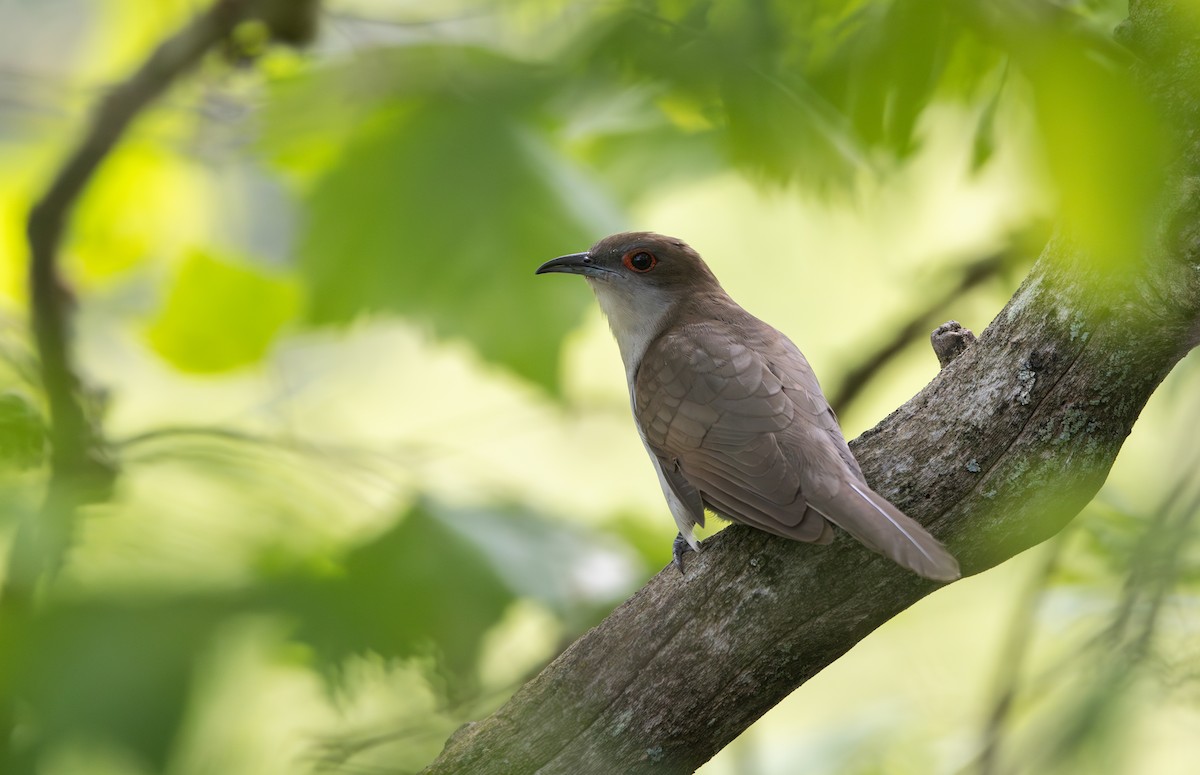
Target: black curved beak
<point x="576" y="263"/>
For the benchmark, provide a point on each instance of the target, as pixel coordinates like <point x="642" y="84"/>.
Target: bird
<point x="730" y="411"/>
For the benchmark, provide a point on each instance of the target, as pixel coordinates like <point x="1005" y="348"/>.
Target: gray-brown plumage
<point x="730" y="411"/>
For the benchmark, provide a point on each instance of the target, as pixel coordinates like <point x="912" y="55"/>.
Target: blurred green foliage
<point x="454" y="199"/>
<point x="22" y="432"/>
<point x="219" y="315"/>
<point x="232" y="259"/>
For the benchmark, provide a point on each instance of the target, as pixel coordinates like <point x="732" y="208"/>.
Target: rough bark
<point x="1006" y="444"/>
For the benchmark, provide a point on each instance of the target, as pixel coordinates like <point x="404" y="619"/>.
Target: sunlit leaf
<point x="1105" y="143"/>
<point x="1106" y="151"/>
<point x="146" y="203"/>
<point x="733" y="64"/>
<point x="220" y="315"/>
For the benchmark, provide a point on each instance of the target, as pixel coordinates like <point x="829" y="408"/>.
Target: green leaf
<point x="738" y="66"/>
<point x="416" y="590"/>
<point x="544" y="559"/>
<point x="441" y="211"/>
<point x="1107" y="153"/>
<point x="1105" y="143"/>
<point x="119" y="673"/>
<point x="984" y="145"/>
<point x="433" y="586"/>
<point x="220" y="315"/>
<point x="22" y="432"/>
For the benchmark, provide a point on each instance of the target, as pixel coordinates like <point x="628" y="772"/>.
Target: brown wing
<point x="713" y="409"/>
<point x="743" y="420"/>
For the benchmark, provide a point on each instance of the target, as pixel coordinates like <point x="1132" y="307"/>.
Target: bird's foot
<point x="678" y="549"/>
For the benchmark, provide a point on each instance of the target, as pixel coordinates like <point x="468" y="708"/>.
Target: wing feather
<point x="723" y="417"/>
<point x="740" y="421"/>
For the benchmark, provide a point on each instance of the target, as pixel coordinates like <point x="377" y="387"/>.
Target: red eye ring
<point x="640" y="261"/>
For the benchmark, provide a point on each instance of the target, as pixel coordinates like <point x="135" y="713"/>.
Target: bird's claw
<point x="678" y="549"/>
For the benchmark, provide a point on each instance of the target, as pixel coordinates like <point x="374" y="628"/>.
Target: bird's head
<point x="638" y="264"/>
<point x="642" y="281"/>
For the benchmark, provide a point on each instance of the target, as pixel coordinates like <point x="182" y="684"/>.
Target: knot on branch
<point x="949" y="340"/>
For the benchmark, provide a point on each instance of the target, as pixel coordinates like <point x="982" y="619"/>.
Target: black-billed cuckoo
<point x="731" y="412"/>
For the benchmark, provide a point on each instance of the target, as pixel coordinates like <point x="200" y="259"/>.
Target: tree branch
<point x="1006" y="444"/>
<point x="972" y="275"/>
<point x="81" y="470"/>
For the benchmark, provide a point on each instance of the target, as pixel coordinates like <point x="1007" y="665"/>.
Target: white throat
<point x="635" y="318"/>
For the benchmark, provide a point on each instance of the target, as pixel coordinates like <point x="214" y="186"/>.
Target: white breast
<point x="635" y="319"/>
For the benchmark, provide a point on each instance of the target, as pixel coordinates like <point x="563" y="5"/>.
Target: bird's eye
<point x="639" y="261"/>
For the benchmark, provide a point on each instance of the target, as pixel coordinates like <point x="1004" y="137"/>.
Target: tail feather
<point x="873" y="520"/>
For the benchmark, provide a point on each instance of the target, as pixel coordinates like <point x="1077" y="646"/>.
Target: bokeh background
<point x="373" y="474"/>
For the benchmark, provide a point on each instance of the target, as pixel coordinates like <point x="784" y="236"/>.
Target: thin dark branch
<point x="917" y="326"/>
<point x="200" y="431"/>
<point x="75" y="444"/>
<point x="1125" y="645"/>
<point x="1156" y="562"/>
<point x="377" y="21"/>
<point x="349" y="457"/>
<point x="81" y="470"/>
<point x="1020" y="634"/>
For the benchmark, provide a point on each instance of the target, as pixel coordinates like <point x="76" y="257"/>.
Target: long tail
<point x="869" y="517"/>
